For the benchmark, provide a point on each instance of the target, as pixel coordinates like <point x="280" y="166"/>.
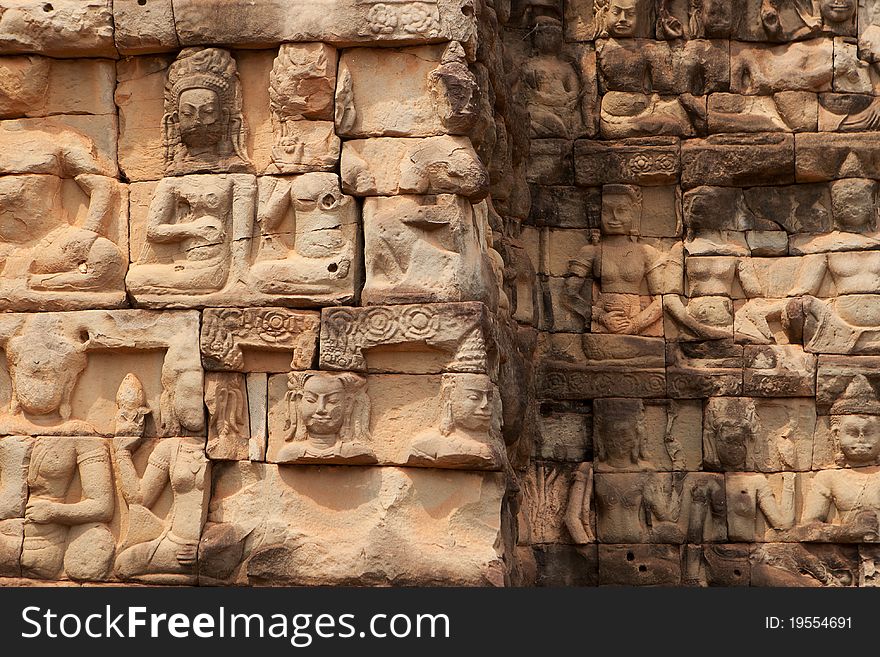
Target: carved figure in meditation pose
<point x="321" y="255"/>
<point x="464" y="437"/>
<point x="553" y="85"/>
<point x="329" y="419"/>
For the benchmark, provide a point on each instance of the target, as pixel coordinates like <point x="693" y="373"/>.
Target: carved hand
<point x="41" y="512"/>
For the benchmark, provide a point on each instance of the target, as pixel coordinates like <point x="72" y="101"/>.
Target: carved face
<point x="837" y="11"/>
<point x="621" y="20"/>
<point x="44" y="367"/>
<point x="858" y="437"/>
<point x="323" y="405"/>
<point x="620" y="439"/>
<point x="548" y="39"/>
<point x="730" y="445"/>
<point x="471" y="402"/>
<point x="620" y="213"/>
<point x="201" y="117"/>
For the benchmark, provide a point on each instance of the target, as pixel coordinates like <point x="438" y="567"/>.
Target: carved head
<point x="468" y="403"/>
<point x="731" y="426"/>
<point x="837" y="11"/>
<point x="203" y="108"/>
<point x="619" y="429"/>
<point x="45" y="362"/>
<point x="547" y="35"/>
<point x="855" y="424"/>
<point x="621" y="19"/>
<point x="327" y="406"/>
<point x="621" y="209"/>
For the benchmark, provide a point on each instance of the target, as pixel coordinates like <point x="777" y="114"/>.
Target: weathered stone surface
<point x="355" y="524"/>
<point x="413" y="339"/>
<point x="340" y="22"/>
<point x="800" y="66"/>
<point x="144" y="27"/>
<point x="640" y="161"/>
<point x="639" y="565"/>
<point x="75" y="392"/>
<point x="436" y="165"/>
<point x="830" y="156"/>
<point x="63" y="28"/>
<point x="258" y="339"/>
<point x="425" y="249"/>
<point x="738" y="160"/>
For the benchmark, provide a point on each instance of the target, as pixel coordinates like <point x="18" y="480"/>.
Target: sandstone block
<point x="436" y="165"/>
<point x="350" y="530"/>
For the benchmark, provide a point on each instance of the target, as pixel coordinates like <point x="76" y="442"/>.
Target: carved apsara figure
<point x="623" y="265"/>
<point x="329" y="419"/>
<point x="465" y="437"/>
<point x="61" y="536"/>
<point x="203" y="125"/>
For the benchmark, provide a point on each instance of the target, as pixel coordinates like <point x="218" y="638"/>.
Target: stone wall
<point x="703" y="223"/>
<point x="450" y="292"/>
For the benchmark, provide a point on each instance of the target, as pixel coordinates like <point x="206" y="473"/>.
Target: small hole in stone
<point x="467" y="10"/>
<point x="643" y="569"/>
<point x="142" y="2"/>
<point x="84" y="335"/>
<point x="630" y="556"/>
<point x="48" y="7"/>
<point x="737" y="572"/>
<point x="332" y="267"/>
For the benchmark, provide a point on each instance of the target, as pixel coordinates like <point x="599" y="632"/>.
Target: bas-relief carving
<point x="451" y="337"/>
<point x="61" y="376"/>
<point x="162" y="549"/>
<point x="63" y="236"/>
<point x="630" y="435"/>
<point x="426" y="249"/>
<point x="249" y="339"/>
<point x="348" y="418"/>
<point x="618" y="308"/>
<point x="560" y="95"/>
<point x="301" y="91"/>
<point x="200" y="236"/>
<point x="841" y="504"/>
<point x="203" y="125"/>
<point x="557" y="504"/>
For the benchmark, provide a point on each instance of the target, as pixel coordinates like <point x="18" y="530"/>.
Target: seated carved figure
<point x="320" y="254"/>
<point x="35" y="239"/>
<point x="844" y="504"/>
<point x="552" y="84"/>
<point x="464" y="437"/>
<point x="626" y="268"/>
<point x="163" y="550"/>
<point x="62" y="536"/>
<point x="188" y="237"/>
<point x="329" y="419"/>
